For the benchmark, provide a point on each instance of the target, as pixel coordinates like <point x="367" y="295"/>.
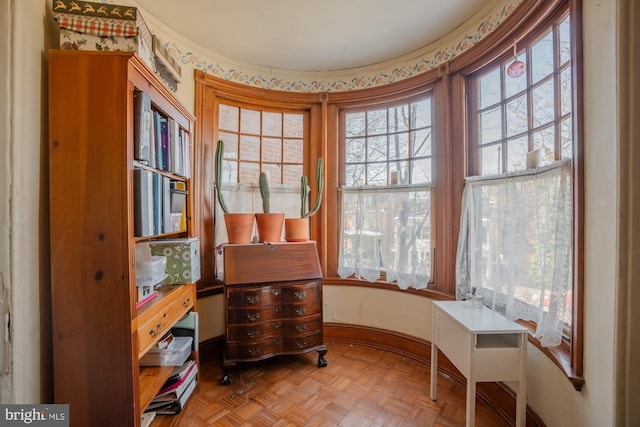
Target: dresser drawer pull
<point x="301" y="328"/>
<point x="276" y="325"/>
<point x="300" y="311"/>
<point x="301" y="344"/>
<point x="253" y="316"/>
<point x="187" y="302"/>
<point x="276" y="308"/>
<point x="253" y="334"/>
<point x="153" y="332"/>
<point x="253" y="299"/>
<point x="253" y="352"/>
<point x="300" y="295"/>
<point x="277" y="341"/>
<point x="275" y="292"/>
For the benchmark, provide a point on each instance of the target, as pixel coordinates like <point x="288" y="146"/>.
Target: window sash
<point x="515" y="246"/>
<point x="386" y="229"/>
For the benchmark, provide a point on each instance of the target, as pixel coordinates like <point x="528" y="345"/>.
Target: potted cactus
<point x="269" y="224"/>
<point x="239" y="225"/>
<point x="297" y="229"/>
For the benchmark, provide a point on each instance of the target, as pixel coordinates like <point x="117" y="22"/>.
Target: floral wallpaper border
<point x="366" y="79"/>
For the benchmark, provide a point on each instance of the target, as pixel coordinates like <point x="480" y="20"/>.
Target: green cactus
<point x="264" y="192"/>
<point x="218" y="172"/>
<point x="304" y="190"/>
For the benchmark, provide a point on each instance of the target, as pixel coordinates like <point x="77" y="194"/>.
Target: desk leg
<point x="434" y="371"/>
<point x="471" y="402"/>
<point x="521" y="404"/>
<point x="521" y="398"/>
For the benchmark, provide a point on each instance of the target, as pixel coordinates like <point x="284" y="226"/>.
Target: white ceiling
<point x="306" y="35"/>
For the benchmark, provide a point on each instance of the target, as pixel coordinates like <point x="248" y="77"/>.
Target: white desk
<point x="484" y="346"/>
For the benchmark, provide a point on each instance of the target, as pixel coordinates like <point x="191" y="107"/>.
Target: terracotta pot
<point x="296" y="229"/>
<point x="270" y="226"/>
<point x="239" y="227"/>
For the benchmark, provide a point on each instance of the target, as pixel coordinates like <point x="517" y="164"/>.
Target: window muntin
<point x="526" y="113"/>
<point x="389" y="145"/>
<point x="258" y="140"/>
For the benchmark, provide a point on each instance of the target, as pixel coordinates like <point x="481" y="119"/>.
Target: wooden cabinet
<point x="99" y="333"/>
<point x="273" y="302"/>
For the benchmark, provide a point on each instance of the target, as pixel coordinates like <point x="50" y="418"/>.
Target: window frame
<point x="209" y="92"/>
<point x="568" y="356"/>
<point x="365" y="105"/>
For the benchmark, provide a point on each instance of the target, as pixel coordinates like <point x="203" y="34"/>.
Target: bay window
<point x="461" y="177"/>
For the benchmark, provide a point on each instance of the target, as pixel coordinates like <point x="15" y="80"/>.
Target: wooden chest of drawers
<point x="273" y="302"/>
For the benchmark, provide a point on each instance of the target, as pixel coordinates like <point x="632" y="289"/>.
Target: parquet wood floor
<point x="361" y="386"/>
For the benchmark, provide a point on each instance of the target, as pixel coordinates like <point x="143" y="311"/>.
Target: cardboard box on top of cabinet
<point x="183" y="259"/>
<point x="167" y="67"/>
<point x="104" y="27"/>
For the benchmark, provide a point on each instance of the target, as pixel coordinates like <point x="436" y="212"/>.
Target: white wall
<point x="26" y="275"/>
<point x="5" y="180"/>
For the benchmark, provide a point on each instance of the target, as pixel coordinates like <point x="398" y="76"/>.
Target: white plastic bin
<point x="174" y="355"/>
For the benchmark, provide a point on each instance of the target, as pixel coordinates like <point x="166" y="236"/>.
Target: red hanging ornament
<point x="517" y="67"/>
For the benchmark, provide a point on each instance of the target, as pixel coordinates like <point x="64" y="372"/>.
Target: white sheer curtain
<point x="514" y="246"/>
<point x="386" y="229"/>
<point x="246" y="198"/>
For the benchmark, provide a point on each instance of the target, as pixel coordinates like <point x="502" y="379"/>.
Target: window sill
<point x="429" y="292"/>
<point x="560" y="355"/>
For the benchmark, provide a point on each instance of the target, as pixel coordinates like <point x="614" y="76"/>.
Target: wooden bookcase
<point x="99" y="334"/>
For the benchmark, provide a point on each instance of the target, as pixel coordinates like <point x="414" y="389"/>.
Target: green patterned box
<point x="183" y="259"/>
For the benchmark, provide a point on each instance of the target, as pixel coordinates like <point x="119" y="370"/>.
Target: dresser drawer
<point x="254" y="350"/>
<point x="274" y="328"/>
<point x="294" y="328"/>
<point x="255" y="296"/>
<point x="244" y="316"/>
<point x="272" y="346"/>
<point x="254" y="332"/>
<point x="160" y="318"/>
<point x="303" y="292"/>
<point x="297" y="344"/>
<point x="273" y="294"/>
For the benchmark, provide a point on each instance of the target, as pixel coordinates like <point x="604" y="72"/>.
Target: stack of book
<point x="176" y="392"/>
<point x="160" y="145"/>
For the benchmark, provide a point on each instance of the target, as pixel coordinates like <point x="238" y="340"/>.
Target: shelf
<point x="152" y="378"/>
<point x="497" y="340"/>
<point x="172" y="175"/>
